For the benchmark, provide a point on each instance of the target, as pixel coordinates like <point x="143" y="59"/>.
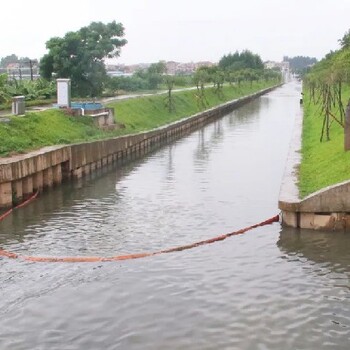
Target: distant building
<point x="172" y="68"/>
<point x="22" y="71"/>
<point x="12" y="66"/>
<point x="271" y="65"/>
<point x="283" y="67"/>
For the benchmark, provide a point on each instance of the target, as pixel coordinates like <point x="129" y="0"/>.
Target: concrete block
<point x="5" y="173"/>
<point x="322" y="222"/>
<point x="27" y="186"/>
<point x="318" y="221"/>
<point x="87" y="169"/>
<point x="78" y="173"/>
<point x="38" y="181"/>
<point x="57" y="174"/>
<point x="345" y="219"/>
<point x="48" y="177"/>
<point x="5" y="195"/>
<point x="290" y="218"/>
<point x="307" y="220"/>
<point x="17" y="189"/>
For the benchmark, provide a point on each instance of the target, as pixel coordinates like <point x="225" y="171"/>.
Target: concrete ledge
<point x="20" y="166"/>
<point x="332" y="199"/>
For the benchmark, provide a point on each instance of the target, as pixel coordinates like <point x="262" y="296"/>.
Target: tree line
<point x="80" y="56"/>
<point x="328" y="84"/>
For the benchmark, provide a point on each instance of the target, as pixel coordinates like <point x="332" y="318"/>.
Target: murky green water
<point x="271" y="288"/>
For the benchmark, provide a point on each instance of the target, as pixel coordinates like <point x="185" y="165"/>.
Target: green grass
<point x="149" y="112"/>
<point x="40" y="129"/>
<point x="53" y="127"/>
<point x="7" y="106"/>
<point x="323" y="163"/>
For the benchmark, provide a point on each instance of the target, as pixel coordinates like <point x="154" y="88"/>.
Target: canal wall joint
<point x="326" y="209"/>
<point x="22" y="175"/>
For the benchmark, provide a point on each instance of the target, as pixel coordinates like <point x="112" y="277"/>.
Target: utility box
<point x="63" y="93"/>
<point x="18" y="105"/>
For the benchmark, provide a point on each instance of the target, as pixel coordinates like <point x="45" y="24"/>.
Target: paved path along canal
<point x="271" y="288"/>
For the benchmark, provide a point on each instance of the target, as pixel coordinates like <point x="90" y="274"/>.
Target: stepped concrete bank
<point x="22" y="175"/>
<point x="327" y="209"/>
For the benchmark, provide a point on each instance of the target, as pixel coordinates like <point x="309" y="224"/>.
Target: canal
<point x="270" y="288"/>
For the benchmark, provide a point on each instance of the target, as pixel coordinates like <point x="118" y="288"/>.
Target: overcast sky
<point x="182" y="30"/>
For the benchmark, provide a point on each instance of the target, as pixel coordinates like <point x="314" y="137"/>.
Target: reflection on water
<point x="207" y="144"/>
<point x="325" y="248"/>
<point x="271" y="288"/>
<point x="323" y="259"/>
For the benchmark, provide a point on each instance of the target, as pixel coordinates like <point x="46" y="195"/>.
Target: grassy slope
<point x="323" y="164"/>
<point x="148" y="112"/>
<point x="52" y="127"/>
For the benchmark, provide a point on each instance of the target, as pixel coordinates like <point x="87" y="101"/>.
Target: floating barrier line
<point x="80" y="259"/>
<point x="26" y="202"/>
<point x="7" y="213"/>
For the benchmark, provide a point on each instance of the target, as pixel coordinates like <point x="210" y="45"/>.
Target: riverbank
<point x="315" y="185"/>
<point x="323" y="163"/>
<point x="52" y="127"/>
<point x="22" y="175"/>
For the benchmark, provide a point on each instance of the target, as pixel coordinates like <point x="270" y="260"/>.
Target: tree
<point x="325" y="82"/>
<point x="200" y="78"/>
<point x="271" y="74"/>
<point x="79" y="56"/>
<point x="132" y="83"/>
<point x="300" y="64"/>
<point x="5" y="61"/>
<point x="169" y="100"/>
<point x="155" y="74"/>
<point x="345" y="40"/>
<point x="157" y="68"/>
<point x="238" y="61"/>
<point x="218" y="80"/>
<point x="4" y="95"/>
<point x="239" y="77"/>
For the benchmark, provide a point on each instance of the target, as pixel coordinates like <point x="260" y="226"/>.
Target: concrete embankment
<point x="327" y="209"/>
<point x="22" y="175"/>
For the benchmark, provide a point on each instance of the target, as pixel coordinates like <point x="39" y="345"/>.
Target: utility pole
<point x="30" y="62"/>
<point x="31" y="70"/>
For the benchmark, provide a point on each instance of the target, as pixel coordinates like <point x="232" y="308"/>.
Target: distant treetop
<point x="24" y="61"/>
<point x="243" y="60"/>
<point x="345" y="40"/>
<point x="299" y="64"/>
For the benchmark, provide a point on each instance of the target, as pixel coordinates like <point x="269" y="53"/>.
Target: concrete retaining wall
<point x="22" y="175"/>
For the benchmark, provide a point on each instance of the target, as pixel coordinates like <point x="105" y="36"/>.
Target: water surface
<point x="271" y="288"/>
